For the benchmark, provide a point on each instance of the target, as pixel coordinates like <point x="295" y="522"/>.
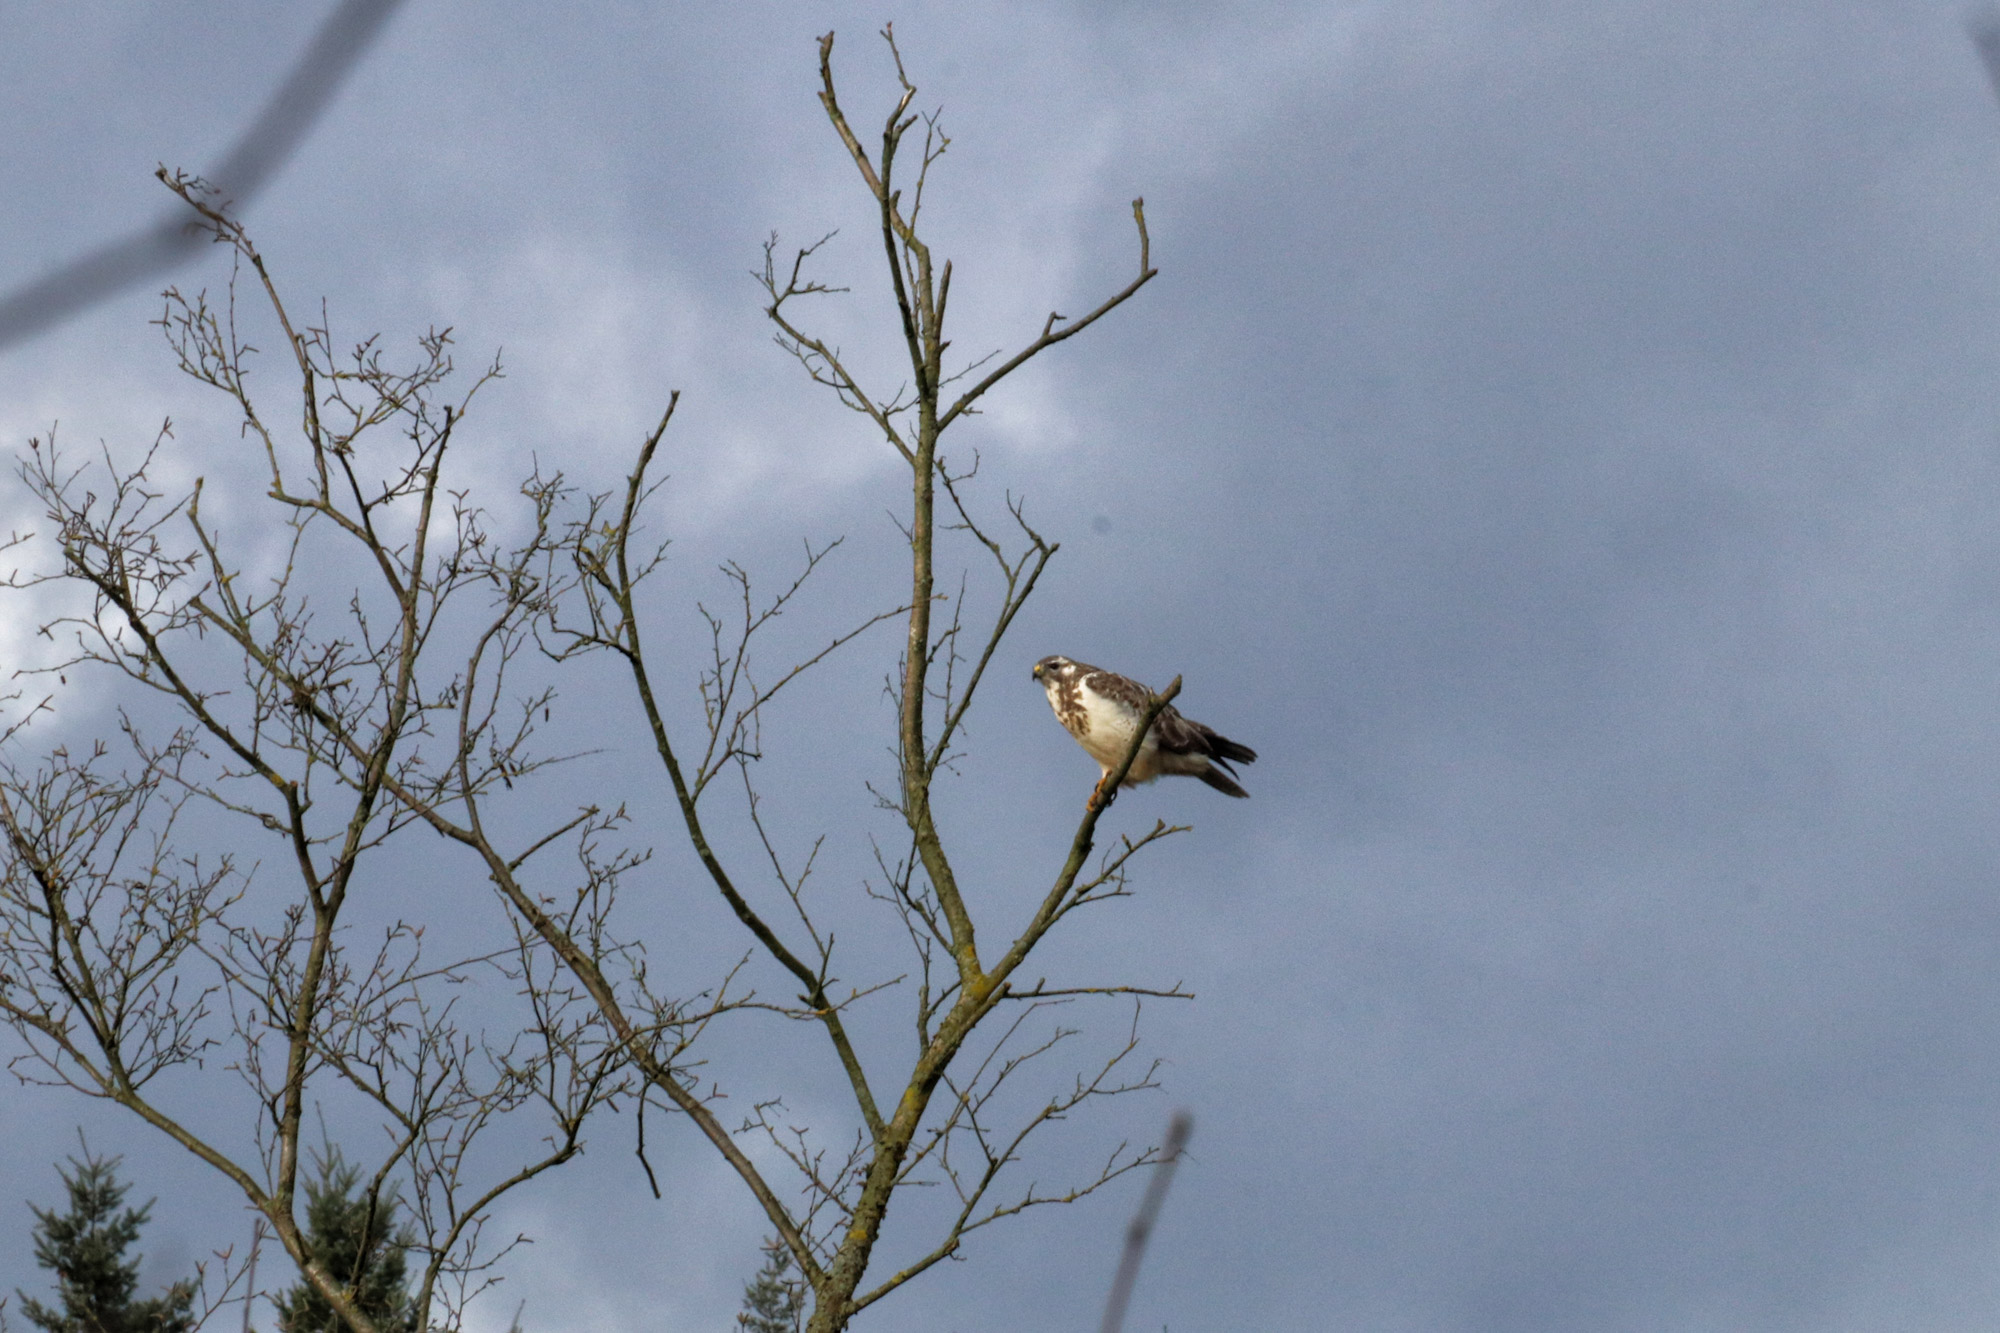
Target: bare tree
<point x="966" y="1049"/>
<point x="129" y="959"/>
<point x="419" y="703"/>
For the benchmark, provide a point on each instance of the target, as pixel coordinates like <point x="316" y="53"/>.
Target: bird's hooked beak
<point x="1037" y="672"/>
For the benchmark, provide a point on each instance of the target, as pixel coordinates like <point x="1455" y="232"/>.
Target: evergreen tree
<point x="85" y="1248"/>
<point x="774" y="1300"/>
<point x="364" y="1253"/>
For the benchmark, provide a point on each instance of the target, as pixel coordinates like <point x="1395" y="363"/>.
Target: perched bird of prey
<point x="1102" y="709"/>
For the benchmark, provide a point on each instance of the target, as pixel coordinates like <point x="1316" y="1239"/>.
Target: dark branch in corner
<point x="242" y="173"/>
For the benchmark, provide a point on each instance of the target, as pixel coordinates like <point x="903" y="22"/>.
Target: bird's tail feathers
<point x="1229" y="752"/>
<point x="1214" y="778"/>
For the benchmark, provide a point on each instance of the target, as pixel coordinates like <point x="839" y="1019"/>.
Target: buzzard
<point x="1102" y="709"/>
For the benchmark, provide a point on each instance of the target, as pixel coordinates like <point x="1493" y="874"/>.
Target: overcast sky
<point x="1563" y="440"/>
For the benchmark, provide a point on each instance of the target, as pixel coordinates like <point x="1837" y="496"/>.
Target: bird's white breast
<point x="1111" y="727"/>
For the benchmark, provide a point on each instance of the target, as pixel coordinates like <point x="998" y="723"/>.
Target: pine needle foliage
<point x="774" y="1300"/>
<point x="355" y="1237"/>
<point x="85" y="1248"/>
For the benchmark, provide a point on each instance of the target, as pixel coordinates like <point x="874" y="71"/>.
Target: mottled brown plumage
<point x="1102" y="709"/>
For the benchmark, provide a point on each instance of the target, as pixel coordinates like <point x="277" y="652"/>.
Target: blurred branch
<point x="1983" y="27"/>
<point x="257" y="155"/>
<point x="1179" y="1130"/>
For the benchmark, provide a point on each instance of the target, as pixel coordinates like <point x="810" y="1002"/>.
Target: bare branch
<point x="1051" y="335"/>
